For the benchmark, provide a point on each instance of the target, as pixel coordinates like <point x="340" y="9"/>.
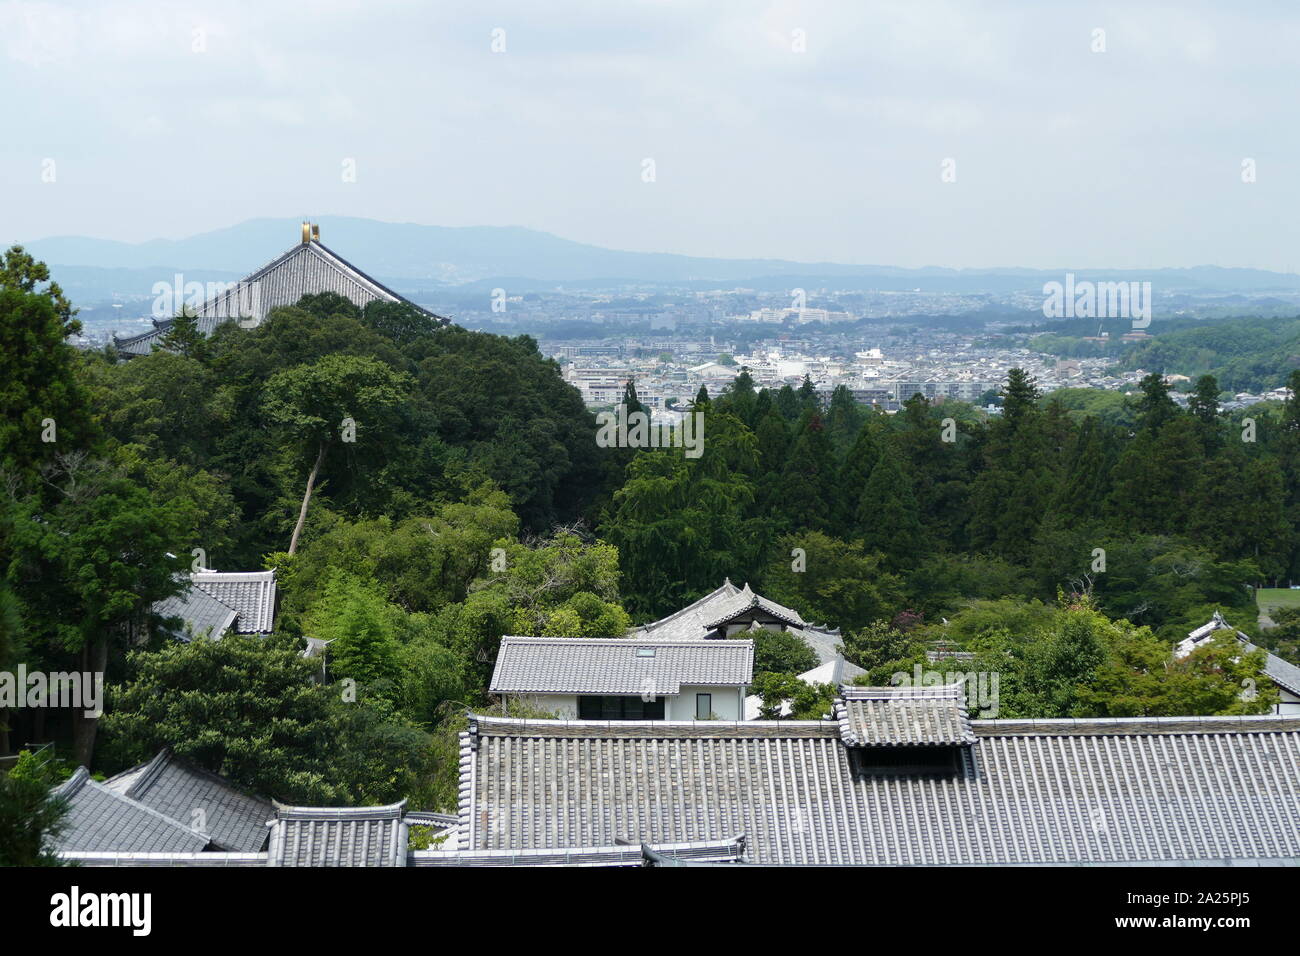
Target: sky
<point x="909" y="133"/>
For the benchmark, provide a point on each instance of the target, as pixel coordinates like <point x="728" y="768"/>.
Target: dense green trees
<point x="1066" y="543"/>
<point x="251" y="710"/>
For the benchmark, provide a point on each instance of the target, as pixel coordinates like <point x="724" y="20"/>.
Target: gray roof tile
<point x="618" y="665"/>
<point x="174" y="787"/>
<point x="342" y="836"/>
<point x="100" y="819"/>
<point x="306" y="268"/>
<point x="903" y="716"/>
<point x="1205" y="789"/>
<point x="219" y="601"/>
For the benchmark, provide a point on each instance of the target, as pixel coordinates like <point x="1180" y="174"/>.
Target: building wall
<point x="1289" y="705"/>
<point x="727" y="703"/>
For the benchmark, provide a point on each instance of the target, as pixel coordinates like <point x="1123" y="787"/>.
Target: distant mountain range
<point x="408" y="256"/>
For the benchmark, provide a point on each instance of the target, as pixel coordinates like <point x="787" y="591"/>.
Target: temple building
<point x="1284" y="675"/>
<point x="309" y="268"/>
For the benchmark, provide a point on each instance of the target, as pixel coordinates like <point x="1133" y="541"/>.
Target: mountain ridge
<point x="456" y="255"/>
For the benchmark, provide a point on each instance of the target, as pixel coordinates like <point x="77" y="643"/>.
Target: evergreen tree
<point x="1083" y="487"/>
<point x="807" y="395"/>
<point x="853" y="475"/>
<point x="1156" y="407"/>
<point x="787" y="403"/>
<point x="887" y="516"/>
<point x="843" y="419"/>
<point x="631" y="400"/>
<point x="184" y="338"/>
<point x="807" y="486"/>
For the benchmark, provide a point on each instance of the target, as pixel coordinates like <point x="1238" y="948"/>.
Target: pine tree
<point x="787" y="403"/>
<point x="631" y="400"/>
<point x="184" y="337"/>
<point x="1155" y="408"/>
<point x="1204" y="407"/>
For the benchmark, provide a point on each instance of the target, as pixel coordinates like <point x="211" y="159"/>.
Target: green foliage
<point x="781" y="691"/>
<point x="361" y="628"/>
<point x="251" y="710"/>
<point x="840" y="583"/>
<point x="1072" y="661"/>
<point x="31" y="818"/>
<point x="38" y="383"/>
<point x="781" y="652"/>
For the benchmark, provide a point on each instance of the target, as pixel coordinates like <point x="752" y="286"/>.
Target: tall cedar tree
<point x="888" y="516"/>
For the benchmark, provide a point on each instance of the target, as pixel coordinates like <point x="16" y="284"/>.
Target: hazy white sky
<point x="1064" y="157"/>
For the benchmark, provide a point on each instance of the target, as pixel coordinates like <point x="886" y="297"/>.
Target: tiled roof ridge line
<point x="1019" y="726"/>
<point x="82" y="775"/>
<point x="388" y="811"/>
<point x="954" y="691"/>
<point x="633" y="642"/>
<point x="726" y="583"/>
<point x="152" y="768"/>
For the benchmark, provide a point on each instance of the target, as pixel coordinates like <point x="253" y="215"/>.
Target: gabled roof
<point x="251" y="593"/>
<point x="1027" y="792"/>
<point x="202" y="614"/>
<point x="219" y="601"/>
<point x="100" y="819"/>
<point x="618" y="665"/>
<point x="1282" y="673"/>
<point x="342" y="836"/>
<point x="903" y="716"/>
<point x="747" y="601"/>
<point x="307" y="268"/>
<point x="176" y="788"/>
<point x="688" y="623"/>
<point x="705" y="615"/>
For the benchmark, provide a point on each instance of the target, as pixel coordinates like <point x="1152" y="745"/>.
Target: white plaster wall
<point x="726" y="703"/>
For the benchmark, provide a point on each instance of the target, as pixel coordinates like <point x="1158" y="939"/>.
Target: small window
<point x="703" y="706"/>
<point x="645" y="652"/>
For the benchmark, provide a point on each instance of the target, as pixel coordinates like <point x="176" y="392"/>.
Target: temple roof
<point x="1078" y="792"/>
<point x="308" y="268"/>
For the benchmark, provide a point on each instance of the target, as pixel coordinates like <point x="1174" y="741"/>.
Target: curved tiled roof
<point x="219" y="601"/>
<point x="339" y="836"/>
<point x="903" y="716"/>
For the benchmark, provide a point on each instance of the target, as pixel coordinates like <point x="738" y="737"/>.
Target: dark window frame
<point x="708" y="709"/>
<point x="619" y="707"/>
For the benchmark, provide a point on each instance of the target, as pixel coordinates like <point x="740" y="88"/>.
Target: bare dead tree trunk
<point x="306" y="498"/>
